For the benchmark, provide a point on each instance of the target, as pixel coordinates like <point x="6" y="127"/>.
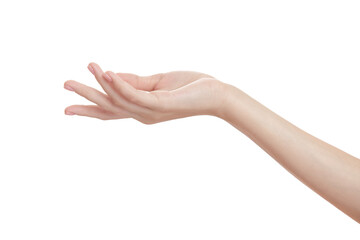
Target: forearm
<point x="330" y="172"/>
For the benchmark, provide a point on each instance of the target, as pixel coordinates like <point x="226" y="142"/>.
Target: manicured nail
<point x="91" y="69"/>
<point x="107" y="77"/>
<point x="68" y="87"/>
<point x="69" y="113"/>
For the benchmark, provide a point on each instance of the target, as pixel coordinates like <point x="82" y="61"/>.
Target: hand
<point x="148" y="99"/>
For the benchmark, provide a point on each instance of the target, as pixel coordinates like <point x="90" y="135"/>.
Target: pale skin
<point x="329" y="171"/>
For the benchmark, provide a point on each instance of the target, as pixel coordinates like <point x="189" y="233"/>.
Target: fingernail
<point x="91" y="69"/>
<point x="107" y="77"/>
<point x="68" y="87"/>
<point x="69" y="113"/>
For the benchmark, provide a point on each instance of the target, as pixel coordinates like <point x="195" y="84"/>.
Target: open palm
<point x="148" y="99"/>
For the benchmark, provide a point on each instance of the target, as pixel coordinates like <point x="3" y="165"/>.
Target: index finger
<point x="140" y="97"/>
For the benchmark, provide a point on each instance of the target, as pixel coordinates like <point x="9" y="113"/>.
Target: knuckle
<point x="116" y="110"/>
<point x="132" y="98"/>
<point x="115" y="101"/>
<point x="116" y="104"/>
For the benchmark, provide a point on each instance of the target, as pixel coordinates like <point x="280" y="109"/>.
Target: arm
<point x="327" y="170"/>
<point x="330" y="172"/>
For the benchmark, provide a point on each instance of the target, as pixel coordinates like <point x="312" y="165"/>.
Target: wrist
<point x="229" y="98"/>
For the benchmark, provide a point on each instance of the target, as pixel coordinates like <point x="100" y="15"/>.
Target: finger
<point x="113" y="94"/>
<point x="139" y="97"/>
<point x="90" y="94"/>
<point x="94" y="112"/>
<point x="98" y="73"/>
<point x="145" y="83"/>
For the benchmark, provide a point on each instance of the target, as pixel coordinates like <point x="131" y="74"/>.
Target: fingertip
<point x="70" y="82"/>
<point x="67" y="86"/>
<point x="68" y="112"/>
<point x="93" y="64"/>
<point x="91" y="68"/>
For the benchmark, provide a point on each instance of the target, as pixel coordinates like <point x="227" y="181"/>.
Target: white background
<point x="70" y="177"/>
